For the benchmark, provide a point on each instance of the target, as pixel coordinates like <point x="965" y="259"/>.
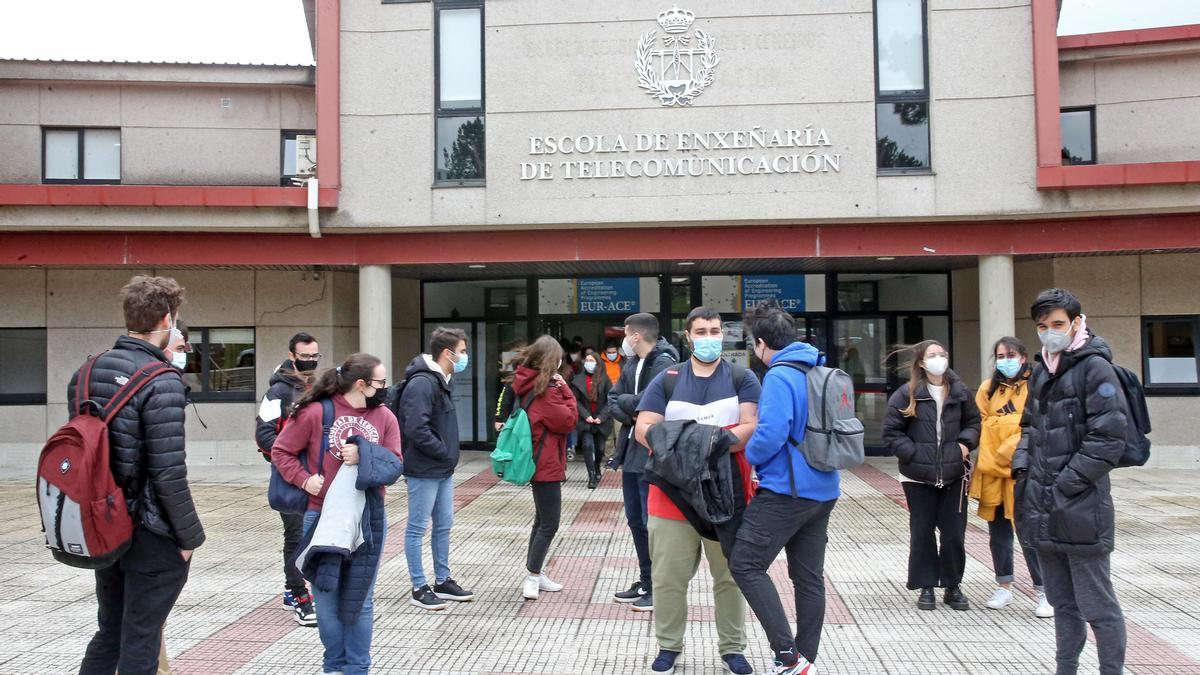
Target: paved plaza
<point x="230" y="619"/>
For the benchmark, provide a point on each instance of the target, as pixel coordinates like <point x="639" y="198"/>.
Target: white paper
<point x="270" y="410"/>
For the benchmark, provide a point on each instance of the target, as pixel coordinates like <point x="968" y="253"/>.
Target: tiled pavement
<point x="229" y="618"/>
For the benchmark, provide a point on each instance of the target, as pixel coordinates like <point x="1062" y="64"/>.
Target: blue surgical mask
<point x="589" y="366"/>
<point x="1008" y="367"/>
<point x="462" y="362"/>
<point x="706" y="349"/>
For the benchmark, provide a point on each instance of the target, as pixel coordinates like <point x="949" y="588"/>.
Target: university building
<point x="889" y="170"/>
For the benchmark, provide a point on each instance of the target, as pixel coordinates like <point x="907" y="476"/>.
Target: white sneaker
<point x="530" y="588"/>
<point x="545" y="584"/>
<point x="1001" y="598"/>
<point x="1044" y="609"/>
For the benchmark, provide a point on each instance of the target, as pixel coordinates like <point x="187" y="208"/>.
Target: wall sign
<point x="608" y="295"/>
<point x="679" y="68"/>
<point x="786" y="289"/>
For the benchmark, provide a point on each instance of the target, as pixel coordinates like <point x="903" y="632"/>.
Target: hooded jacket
<point x="914" y="439"/>
<point x="552" y="415"/>
<point x="276" y="407"/>
<point x="1001" y="414"/>
<point x="146" y="441"/>
<point x="1070" y="440"/>
<point x="691" y="465"/>
<point x="428" y="421"/>
<point x="602" y="385"/>
<point x="624" y="398"/>
<point x="783" y="415"/>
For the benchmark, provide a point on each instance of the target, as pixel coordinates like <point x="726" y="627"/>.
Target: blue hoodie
<point x="783" y="412"/>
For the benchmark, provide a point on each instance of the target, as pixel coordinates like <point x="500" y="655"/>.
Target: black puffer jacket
<point x="287" y="388"/>
<point x="1070" y="440"/>
<point x="147" y="441"/>
<point x="914" y="439"/>
<point x="624" y="398"/>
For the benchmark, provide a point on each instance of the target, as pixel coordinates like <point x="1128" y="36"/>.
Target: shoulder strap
<point x="83" y="383"/>
<point x="136" y="382"/>
<point x="791" y="364"/>
<point x="671" y="377"/>
<point x="326" y="425"/>
<point x="1079" y="381"/>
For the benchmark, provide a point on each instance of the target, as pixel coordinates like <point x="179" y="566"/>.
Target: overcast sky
<point x="1098" y="16"/>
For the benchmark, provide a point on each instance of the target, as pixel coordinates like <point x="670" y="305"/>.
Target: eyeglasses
<point x="309" y="357"/>
<point x="382" y="383"/>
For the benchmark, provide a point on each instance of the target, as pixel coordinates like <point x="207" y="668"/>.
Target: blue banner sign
<point x="608" y="295"/>
<point x="787" y="289"/>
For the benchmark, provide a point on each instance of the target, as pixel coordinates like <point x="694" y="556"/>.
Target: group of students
<point x="1046" y="444"/>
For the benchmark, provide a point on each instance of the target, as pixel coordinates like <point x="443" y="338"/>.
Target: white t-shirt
<point x="637" y="378"/>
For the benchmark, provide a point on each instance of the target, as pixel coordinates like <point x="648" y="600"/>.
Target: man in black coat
<point x="1070" y="440"/>
<point x="290" y="380"/>
<point x="146" y="442"/>
<point x="646" y="355"/>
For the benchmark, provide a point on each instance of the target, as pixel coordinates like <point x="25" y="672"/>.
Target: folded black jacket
<point x="690" y="462"/>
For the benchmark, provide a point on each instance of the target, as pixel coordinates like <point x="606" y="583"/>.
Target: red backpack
<point x="84" y="515"/>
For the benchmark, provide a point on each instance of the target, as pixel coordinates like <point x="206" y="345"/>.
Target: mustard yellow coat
<point x="1001" y="431"/>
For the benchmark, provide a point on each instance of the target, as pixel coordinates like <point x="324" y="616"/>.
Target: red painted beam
<point x="328" y="94"/>
<point x="1125" y="38"/>
<point x="1119" y="175"/>
<point x="1045" y="83"/>
<point x="934" y="240"/>
<point x="20" y="194"/>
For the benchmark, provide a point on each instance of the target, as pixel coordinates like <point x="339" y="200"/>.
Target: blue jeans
<point x="636" y="492"/>
<point x="429" y="498"/>
<point x="347" y="647"/>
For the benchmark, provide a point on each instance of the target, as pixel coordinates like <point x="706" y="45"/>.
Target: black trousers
<point x="293" y="531"/>
<point x="942" y="510"/>
<point x="773" y="523"/>
<point x="592" y="443"/>
<point x="135" y="595"/>
<point x="547" y="504"/>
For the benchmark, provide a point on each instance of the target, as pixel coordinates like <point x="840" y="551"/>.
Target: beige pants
<point x="164" y="668"/>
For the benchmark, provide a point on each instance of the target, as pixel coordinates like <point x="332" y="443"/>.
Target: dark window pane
<point x="460" y="148"/>
<point x="460" y="59"/>
<point x="903" y="135"/>
<point x="22" y="362"/>
<point x="1077" y="137"/>
<point x="1171" y="352"/>
<point x="901" y="45"/>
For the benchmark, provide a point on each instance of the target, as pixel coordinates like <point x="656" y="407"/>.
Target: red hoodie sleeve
<point x="391" y="435"/>
<point x="293" y="440"/>
<point x="559" y="412"/>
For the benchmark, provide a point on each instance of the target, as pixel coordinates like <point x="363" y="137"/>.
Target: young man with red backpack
<point x="147" y="461"/>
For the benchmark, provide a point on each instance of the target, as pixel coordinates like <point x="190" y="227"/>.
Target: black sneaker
<point x="926" y="600"/>
<point x="425" y="598"/>
<point x="644" y="603"/>
<point x="305" y="613"/>
<point x="635" y="591"/>
<point x="450" y="590"/>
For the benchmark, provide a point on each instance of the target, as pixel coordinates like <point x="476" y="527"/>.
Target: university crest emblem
<point x="676" y="69"/>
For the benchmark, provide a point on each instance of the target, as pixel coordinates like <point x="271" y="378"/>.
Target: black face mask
<point x="375" y="400"/>
<point x="305" y="366"/>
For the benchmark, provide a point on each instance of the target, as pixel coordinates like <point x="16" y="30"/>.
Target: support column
<point x="997" y="316"/>
<point x="375" y="313"/>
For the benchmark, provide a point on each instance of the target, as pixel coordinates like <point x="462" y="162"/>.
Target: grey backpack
<point x="833" y="435"/>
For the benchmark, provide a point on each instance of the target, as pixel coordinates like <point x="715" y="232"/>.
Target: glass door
<point x="861" y="348"/>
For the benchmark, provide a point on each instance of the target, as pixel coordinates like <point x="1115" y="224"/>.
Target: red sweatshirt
<point x="552" y="415"/>
<point x="303" y="432"/>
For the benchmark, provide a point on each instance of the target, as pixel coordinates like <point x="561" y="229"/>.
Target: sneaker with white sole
<point x="1044" y="609"/>
<point x="545" y="584"/>
<point x="664" y="663"/>
<point x="450" y="590"/>
<point x="425" y="598"/>
<point x="635" y="591"/>
<point x="304" y="612"/>
<point x="1001" y="598"/>
<point x="531" y="586"/>
<point x="800" y="667"/>
<point x="643" y="604"/>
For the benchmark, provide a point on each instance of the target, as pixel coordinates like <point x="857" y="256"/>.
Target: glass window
<point x="1171" y="356"/>
<point x="100" y="161"/>
<point x="221" y="364"/>
<point x="22" y="366"/>
<point x="902" y="140"/>
<point x="1078" y="136"/>
<point x="62" y="155"/>
<point x="460" y="148"/>
<point x="900" y="44"/>
<point x="893" y="292"/>
<point x="102" y="154"/>
<point x="460" y="58"/>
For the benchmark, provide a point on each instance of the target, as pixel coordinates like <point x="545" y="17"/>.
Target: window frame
<point x="906" y="96"/>
<point x="1170" y="389"/>
<point x="201" y="349"/>
<point x="1091" y="109"/>
<point x="440" y="113"/>
<point x="79" y="138"/>
<point x="284" y="137"/>
<point x="31" y="398"/>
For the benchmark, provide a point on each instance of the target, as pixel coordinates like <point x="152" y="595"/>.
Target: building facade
<point x="889" y="170"/>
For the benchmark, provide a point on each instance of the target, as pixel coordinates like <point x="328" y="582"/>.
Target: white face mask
<point x="937" y="365"/>
<point x="179" y="360"/>
<point x="627" y="347"/>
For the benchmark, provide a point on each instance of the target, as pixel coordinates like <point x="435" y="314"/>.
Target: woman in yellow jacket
<point x="1001" y="402"/>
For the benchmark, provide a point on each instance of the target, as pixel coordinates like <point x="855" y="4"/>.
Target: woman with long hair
<point x="546" y="398"/>
<point x="356" y="390"/>
<point x="591" y="389"/>
<point x="931" y="426"/>
<point x="1001" y="403"/>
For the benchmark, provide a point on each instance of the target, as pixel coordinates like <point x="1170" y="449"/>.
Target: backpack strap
<point x="137" y="381"/>
<point x="326" y="426"/>
<point x="83" y="384"/>
<point x="791" y="441"/>
<point x="671" y="376"/>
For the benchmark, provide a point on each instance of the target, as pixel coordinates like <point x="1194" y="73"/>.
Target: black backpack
<point x="1137" y="446"/>
<point x="392" y="400"/>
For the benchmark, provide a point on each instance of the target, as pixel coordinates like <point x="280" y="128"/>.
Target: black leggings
<point x="593" y="450"/>
<point x="547" y="504"/>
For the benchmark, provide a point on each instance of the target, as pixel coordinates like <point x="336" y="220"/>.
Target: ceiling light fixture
<point x="476" y="266"/>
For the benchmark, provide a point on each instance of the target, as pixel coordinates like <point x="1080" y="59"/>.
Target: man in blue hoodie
<point x="790" y="511"/>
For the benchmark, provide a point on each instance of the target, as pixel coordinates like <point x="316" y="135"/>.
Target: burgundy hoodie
<point x="552" y="415"/>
